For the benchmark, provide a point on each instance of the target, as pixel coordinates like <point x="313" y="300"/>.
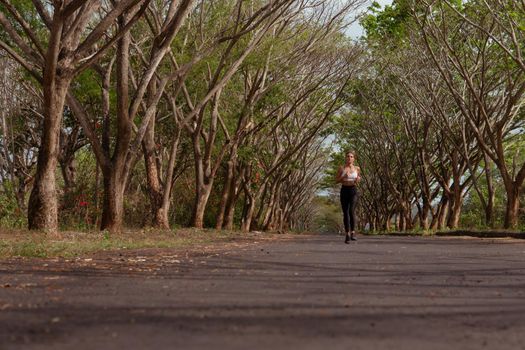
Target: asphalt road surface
<point x="307" y="292"/>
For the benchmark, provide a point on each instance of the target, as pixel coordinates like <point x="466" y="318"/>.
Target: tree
<point x="494" y="80"/>
<point x="116" y="167"/>
<point x="54" y="43"/>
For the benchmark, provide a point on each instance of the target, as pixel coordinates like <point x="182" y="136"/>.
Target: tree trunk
<point x="113" y="206"/>
<point x="247" y="219"/>
<point x="437" y="220"/>
<point x="226" y="193"/>
<point x="268" y="221"/>
<point x="489" y="209"/>
<point x="426" y="210"/>
<point x="201" y="200"/>
<point x="253" y="199"/>
<point x="385" y="225"/>
<point x="408" y="220"/>
<point x="162" y="216"/>
<point x="513" y="205"/>
<point x="43" y="205"/>
<point x="203" y="184"/>
<point x="402" y="220"/>
<point x="229" y="213"/>
<point x="158" y="217"/>
<point x="115" y="176"/>
<point x="442" y="220"/>
<point x="68" y="167"/>
<point x="21" y="191"/>
<point x="422" y="214"/>
<point x="455" y="212"/>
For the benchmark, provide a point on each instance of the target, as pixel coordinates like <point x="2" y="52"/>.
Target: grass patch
<point x="20" y="243"/>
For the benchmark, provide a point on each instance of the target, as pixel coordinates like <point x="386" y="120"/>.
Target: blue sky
<point x="355" y="30"/>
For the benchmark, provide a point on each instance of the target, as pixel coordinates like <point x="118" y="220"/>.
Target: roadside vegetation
<point x="67" y="244"/>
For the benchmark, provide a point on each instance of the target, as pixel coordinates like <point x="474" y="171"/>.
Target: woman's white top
<point x="350" y="177"/>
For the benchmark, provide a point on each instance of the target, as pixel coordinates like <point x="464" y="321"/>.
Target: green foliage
<point x="11" y="215"/>
<point x="389" y="22"/>
<point x="208" y="34"/>
<point x="328" y="218"/>
<point x="30" y="15"/>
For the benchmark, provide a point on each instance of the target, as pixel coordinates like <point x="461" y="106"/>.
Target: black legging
<point x="349" y="197"/>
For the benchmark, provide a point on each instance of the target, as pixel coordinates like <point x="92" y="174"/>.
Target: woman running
<point x="349" y="176"/>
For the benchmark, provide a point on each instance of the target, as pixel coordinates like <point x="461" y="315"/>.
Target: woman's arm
<point x="358" y="169"/>
<point x="339" y="175"/>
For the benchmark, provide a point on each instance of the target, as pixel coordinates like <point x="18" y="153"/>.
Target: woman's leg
<point x="345" y="205"/>
<point x="352" y="204"/>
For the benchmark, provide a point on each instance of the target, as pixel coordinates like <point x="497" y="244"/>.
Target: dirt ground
<point x="309" y="292"/>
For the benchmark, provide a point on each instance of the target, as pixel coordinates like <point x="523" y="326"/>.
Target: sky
<point x="355" y="31"/>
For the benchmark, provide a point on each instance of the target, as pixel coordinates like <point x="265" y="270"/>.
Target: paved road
<point x="308" y="292"/>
